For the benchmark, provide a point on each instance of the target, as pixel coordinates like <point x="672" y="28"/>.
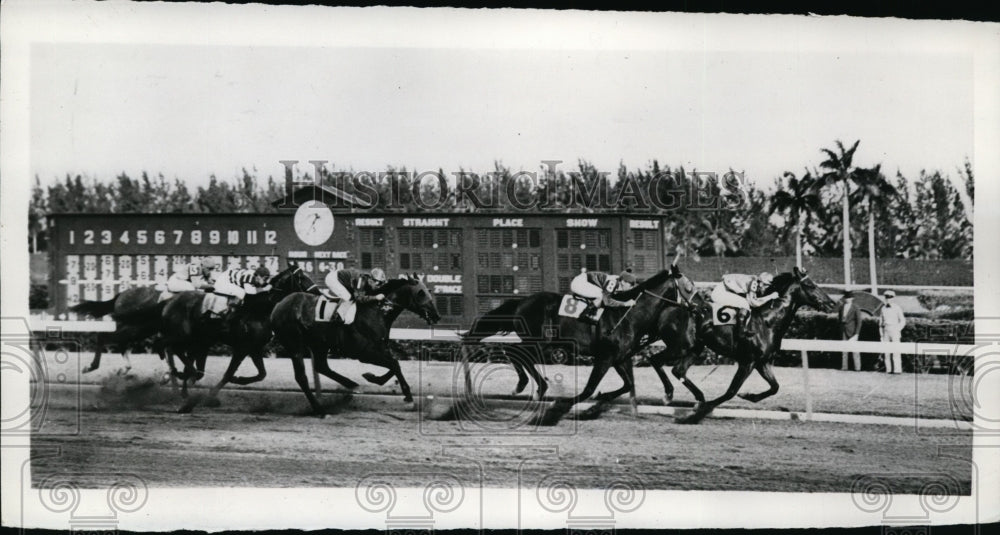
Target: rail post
<point x="805" y="381"/>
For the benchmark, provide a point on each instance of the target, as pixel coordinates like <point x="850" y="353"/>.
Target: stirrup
<point x="591" y="314"/>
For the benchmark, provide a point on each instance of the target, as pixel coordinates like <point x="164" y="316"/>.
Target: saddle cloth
<point x="725" y="305"/>
<point x="164" y="295"/>
<point x="572" y="306"/>
<point x="326" y="308"/>
<point x="214" y="303"/>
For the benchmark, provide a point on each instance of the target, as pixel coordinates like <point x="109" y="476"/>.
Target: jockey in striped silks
<point x="238" y="283"/>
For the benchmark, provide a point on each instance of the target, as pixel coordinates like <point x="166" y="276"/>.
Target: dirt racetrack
<point x="211" y="448"/>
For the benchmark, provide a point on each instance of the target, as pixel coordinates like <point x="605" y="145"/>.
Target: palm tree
<point x="799" y="202"/>
<point x="876" y="192"/>
<point x="839" y="169"/>
<point x="715" y="240"/>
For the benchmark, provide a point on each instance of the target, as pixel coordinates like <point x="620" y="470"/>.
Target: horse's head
<point x="293" y="279"/>
<point x="411" y="294"/>
<point x="669" y="286"/>
<point x="686" y="290"/>
<point x="803" y="290"/>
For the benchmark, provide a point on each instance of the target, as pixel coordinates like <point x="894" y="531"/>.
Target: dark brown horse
<point x="366" y="339"/>
<point x="136" y="312"/>
<point x="766" y="329"/>
<point x="619" y="334"/>
<point x="245" y="328"/>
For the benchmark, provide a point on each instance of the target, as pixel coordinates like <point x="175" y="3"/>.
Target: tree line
<point x="799" y="213"/>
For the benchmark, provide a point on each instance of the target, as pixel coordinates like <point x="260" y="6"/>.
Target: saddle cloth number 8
<point x="572" y="306"/>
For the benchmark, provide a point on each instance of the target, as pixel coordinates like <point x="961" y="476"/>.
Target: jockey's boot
<point x="740" y="328"/>
<point x="591" y="314"/>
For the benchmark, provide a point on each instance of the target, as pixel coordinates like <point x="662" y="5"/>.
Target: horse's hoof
<point x="370" y="377"/>
<point x="408" y="399"/>
<point x="666" y="400"/>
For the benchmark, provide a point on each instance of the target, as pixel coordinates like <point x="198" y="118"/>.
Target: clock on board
<point x="314" y="223"/>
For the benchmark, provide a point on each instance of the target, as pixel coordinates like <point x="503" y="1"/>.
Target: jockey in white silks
<point x="745" y="293"/>
<point x="597" y="286"/>
<point x="188" y="278"/>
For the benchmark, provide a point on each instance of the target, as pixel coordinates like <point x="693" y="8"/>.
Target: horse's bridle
<point x="686" y="301"/>
<point x="294" y="271"/>
<point x="309" y="289"/>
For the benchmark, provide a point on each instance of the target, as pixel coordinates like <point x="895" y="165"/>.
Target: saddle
<point x="215" y="304"/>
<point x="327" y="309"/>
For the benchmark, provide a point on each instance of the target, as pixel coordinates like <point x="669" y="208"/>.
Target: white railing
<point x="450" y="335"/>
<point x="40" y="324"/>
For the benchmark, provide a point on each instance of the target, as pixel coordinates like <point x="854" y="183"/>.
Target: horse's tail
<point x="501" y="320"/>
<point x="95" y="309"/>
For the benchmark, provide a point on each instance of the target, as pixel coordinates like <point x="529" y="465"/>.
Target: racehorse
<point x="765" y="331"/>
<point x="136" y="312"/>
<point x="366" y="339"/>
<point x="620" y="332"/>
<point x="245" y="328"/>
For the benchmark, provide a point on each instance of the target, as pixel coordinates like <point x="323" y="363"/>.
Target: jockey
<point x="745" y="293"/>
<point x="187" y="278"/>
<point x="210" y="269"/>
<point x="237" y="283"/>
<point x="597" y="286"/>
<point x="351" y="285"/>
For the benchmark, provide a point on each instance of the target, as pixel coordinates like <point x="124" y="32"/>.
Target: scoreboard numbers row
<point x="174" y="237"/>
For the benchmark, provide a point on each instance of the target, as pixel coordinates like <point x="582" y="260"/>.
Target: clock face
<point x="314" y="223"/>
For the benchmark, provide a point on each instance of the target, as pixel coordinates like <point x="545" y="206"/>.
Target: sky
<point x="189" y="111"/>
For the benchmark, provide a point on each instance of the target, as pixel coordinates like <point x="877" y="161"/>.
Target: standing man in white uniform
<point x="891" y="322"/>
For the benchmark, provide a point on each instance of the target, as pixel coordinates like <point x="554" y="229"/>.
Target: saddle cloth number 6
<point x="723" y="314"/>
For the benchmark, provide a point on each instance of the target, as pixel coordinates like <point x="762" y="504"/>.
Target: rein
<point x="666" y="299"/>
<point x="686" y="304"/>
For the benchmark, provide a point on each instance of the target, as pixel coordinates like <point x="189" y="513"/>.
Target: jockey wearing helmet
<point x="210" y="268"/>
<point x="351" y="285"/>
<point x="745" y="293"/>
<point x="237" y="283"/>
<point x="188" y="277"/>
<point x="597" y="287"/>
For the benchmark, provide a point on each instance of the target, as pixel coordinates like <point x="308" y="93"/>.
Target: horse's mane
<point x="651" y="282"/>
<point x="782" y="281"/>
<point x="392" y="285"/>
